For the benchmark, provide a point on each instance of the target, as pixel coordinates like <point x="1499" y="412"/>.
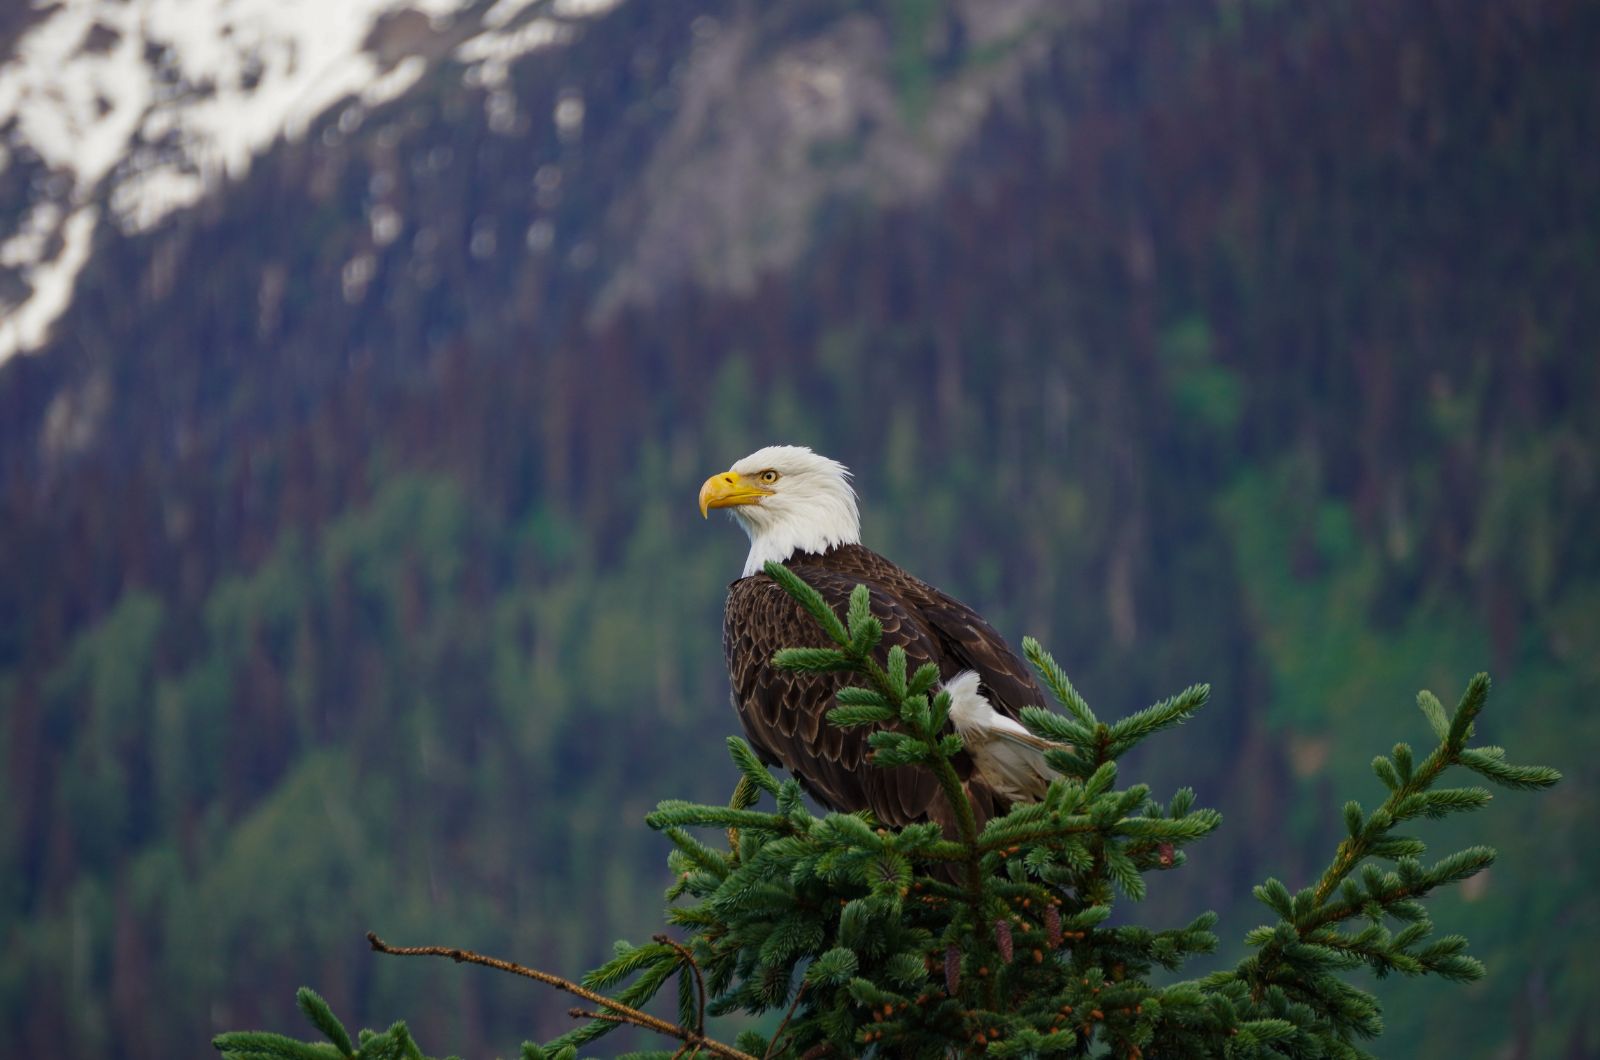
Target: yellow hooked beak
<point x="729" y="490"/>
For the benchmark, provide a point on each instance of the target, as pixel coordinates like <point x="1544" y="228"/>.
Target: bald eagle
<point x="799" y="509"/>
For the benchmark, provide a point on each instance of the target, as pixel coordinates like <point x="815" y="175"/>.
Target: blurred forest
<point x="354" y="584"/>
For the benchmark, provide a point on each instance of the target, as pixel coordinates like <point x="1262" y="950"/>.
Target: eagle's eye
<point x="768" y="477"/>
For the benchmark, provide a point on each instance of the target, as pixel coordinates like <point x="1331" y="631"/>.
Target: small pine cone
<point x="1052" y="923"/>
<point x="952" y="971"/>
<point x="1002" y="939"/>
<point x="1165" y="855"/>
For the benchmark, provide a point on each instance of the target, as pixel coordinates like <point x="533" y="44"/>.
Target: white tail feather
<point x="1007" y="756"/>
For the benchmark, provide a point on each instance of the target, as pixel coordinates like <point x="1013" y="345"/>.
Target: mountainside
<point x="116" y="115"/>
<point x="352" y="577"/>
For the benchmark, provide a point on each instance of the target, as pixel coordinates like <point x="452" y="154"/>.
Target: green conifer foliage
<point x="858" y="939"/>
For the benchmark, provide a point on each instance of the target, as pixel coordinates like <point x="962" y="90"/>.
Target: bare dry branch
<point x="619" y="1013"/>
<point x="777" y="1034"/>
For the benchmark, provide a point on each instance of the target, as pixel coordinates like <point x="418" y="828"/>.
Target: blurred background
<point x="362" y="362"/>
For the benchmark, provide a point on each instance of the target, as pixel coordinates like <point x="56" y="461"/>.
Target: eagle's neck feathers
<point x="815" y="519"/>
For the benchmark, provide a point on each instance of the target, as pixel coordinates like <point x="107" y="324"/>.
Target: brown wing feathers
<point x="784" y="713"/>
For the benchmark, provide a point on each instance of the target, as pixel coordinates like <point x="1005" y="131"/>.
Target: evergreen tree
<point x="1000" y="940"/>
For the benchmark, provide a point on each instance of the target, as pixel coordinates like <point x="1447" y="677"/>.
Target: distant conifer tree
<point x="864" y="940"/>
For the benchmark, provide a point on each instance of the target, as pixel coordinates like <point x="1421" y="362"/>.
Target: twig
<point x="1355" y="849"/>
<point x="773" y="1044"/>
<point x="622" y="1013"/>
<point x="580" y="1014"/>
<point x="607" y="1017"/>
<point x="699" y="980"/>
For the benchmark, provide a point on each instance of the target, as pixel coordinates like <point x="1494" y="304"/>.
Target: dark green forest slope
<point x="1251" y="343"/>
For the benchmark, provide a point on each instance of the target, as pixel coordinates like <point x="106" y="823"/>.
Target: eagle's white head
<point x="788" y="499"/>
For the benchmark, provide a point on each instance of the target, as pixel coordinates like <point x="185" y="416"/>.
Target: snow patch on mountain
<point x="123" y="111"/>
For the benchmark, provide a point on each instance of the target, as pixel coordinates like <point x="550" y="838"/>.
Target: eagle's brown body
<point x="785" y="712"/>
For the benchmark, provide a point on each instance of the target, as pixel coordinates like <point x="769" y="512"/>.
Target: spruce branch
<point x="1412" y="796"/>
<point x="321" y="1016"/>
<point x="1294" y="954"/>
<point x="1057" y="679"/>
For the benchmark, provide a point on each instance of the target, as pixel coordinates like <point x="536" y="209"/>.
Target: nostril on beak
<point x="728" y="479"/>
